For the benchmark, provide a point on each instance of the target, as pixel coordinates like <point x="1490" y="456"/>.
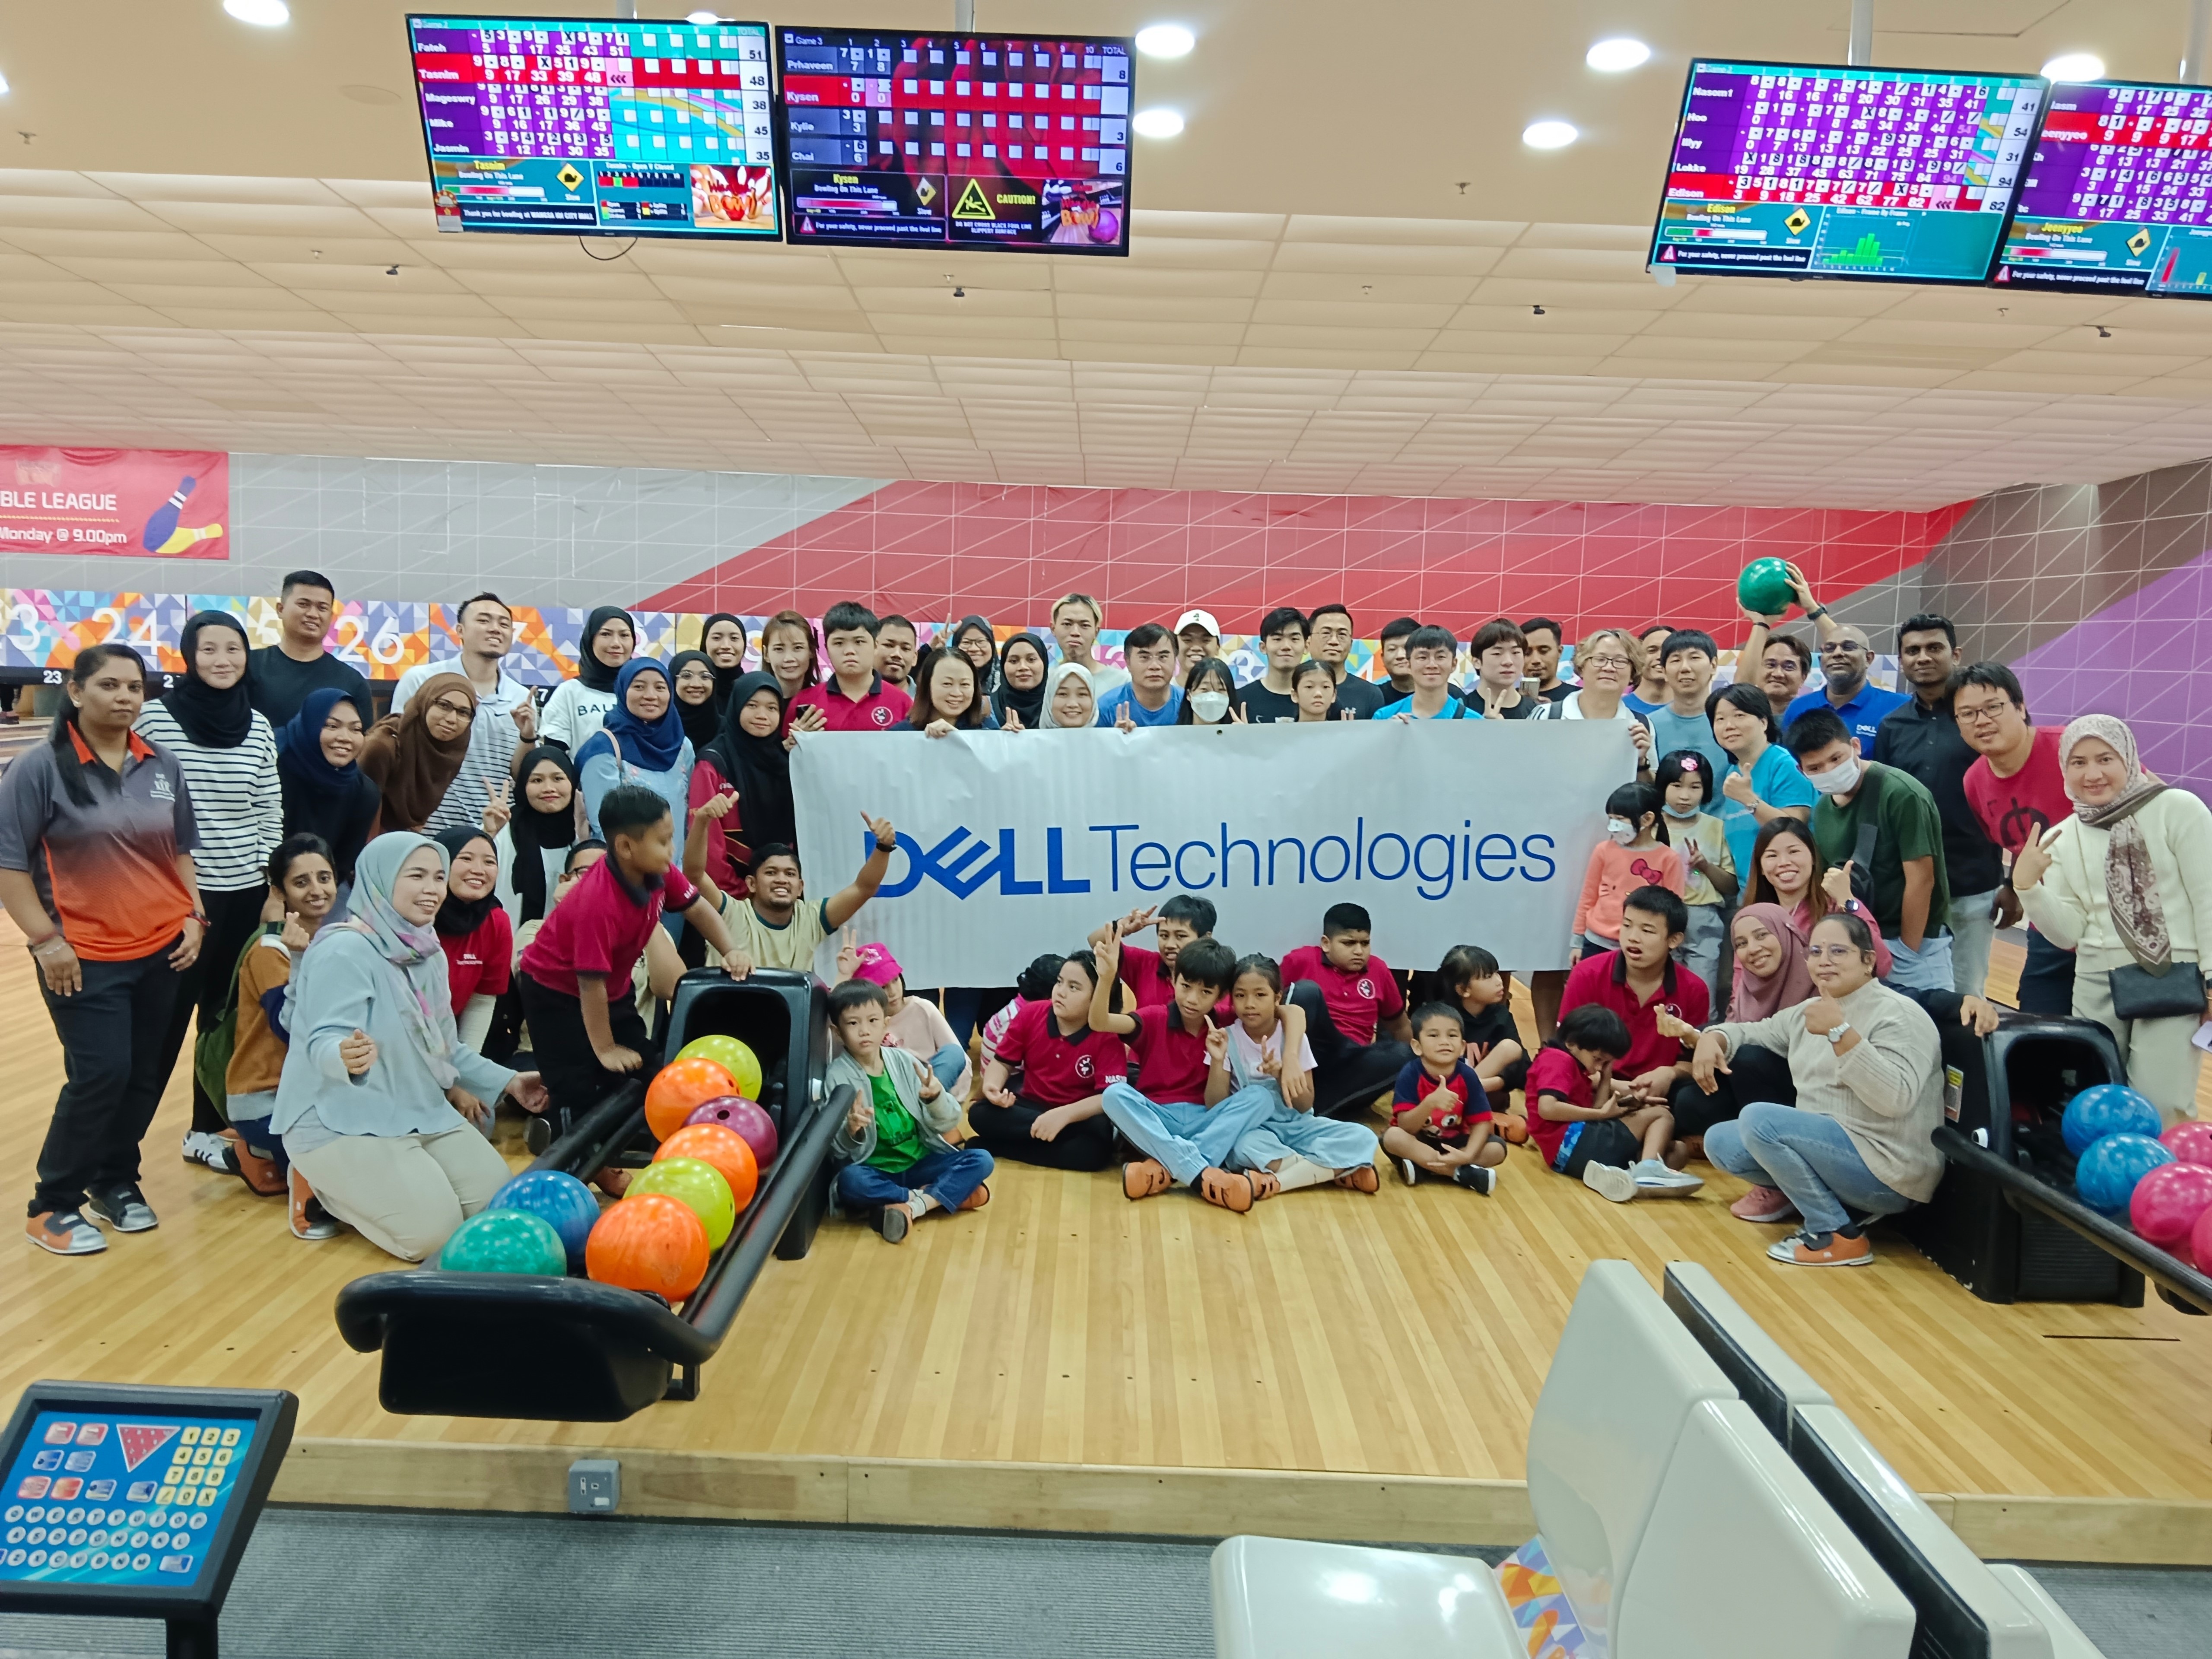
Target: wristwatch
<point x="1837" y="1031"/>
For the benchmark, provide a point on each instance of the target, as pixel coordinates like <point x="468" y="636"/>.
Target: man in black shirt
<point x="1921" y="736"/>
<point x="279" y="676"/>
<point x="1541" y="666"/>
<point x="1328" y="635"/>
<point x="1283" y="637"/>
<point x="1392" y="647"/>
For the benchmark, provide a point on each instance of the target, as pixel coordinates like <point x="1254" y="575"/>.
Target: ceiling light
<point x="1165" y="41"/>
<point x="3" y="85"/>
<point x="2075" y="66"/>
<point x="702" y="18"/>
<point x="1158" y="123"/>
<point x="1617" y="54"/>
<point x="1548" y="134"/>
<point x="262" y="14"/>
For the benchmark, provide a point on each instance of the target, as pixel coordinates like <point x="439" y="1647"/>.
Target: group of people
<point x="361" y="916"/>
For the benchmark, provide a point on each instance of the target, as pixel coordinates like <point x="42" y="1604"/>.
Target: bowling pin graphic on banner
<point x="162" y="535"/>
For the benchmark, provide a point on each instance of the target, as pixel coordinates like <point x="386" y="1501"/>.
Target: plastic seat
<point x="2067" y="1641"/>
<point x="1769" y="1380"/>
<point x="1282" y="1598"/>
<point x="1742" y="1558"/>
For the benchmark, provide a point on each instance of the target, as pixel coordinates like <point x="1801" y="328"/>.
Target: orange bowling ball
<point x="681" y="1086"/>
<point x="725" y="1149"/>
<point x="649" y="1242"/>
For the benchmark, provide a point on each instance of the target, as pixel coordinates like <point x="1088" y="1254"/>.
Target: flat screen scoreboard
<point x="1873" y="174"/>
<point x="960" y="141"/>
<point x="2117" y="198"/>
<point x="587" y="127"/>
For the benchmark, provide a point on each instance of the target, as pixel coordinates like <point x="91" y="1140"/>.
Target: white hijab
<point x="1059" y="671"/>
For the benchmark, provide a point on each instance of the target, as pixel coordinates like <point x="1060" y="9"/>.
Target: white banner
<point x="1012" y="844"/>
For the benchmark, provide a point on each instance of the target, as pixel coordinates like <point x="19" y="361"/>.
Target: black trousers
<point x="1347" y="1075"/>
<point x="2047" y="981"/>
<point x="204" y="987"/>
<point x="1004" y="1132"/>
<point x="1753" y="1073"/>
<point x="113" y="1059"/>
<point x="573" y="1074"/>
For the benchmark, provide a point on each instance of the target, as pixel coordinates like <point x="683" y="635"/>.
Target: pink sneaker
<point x="1763" y="1203"/>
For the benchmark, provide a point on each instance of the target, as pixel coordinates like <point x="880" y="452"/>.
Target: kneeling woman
<point x="1860" y="1141"/>
<point x="361" y="1101"/>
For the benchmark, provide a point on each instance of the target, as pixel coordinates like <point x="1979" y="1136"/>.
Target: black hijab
<point x="211" y="719"/>
<point x="758" y="768"/>
<point x="702" y="723"/>
<point x="457" y="917"/>
<point x="596" y="675"/>
<point x="1029" y="704"/>
<point x="723" y="677"/>
<point x="533" y="834"/>
<point x="986" y="677"/>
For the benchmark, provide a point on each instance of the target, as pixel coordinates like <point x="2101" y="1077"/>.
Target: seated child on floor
<point x="1633" y="854"/>
<point x="1472" y="977"/>
<point x="1265" y="1049"/>
<point x="1058" y="1118"/>
<point x="1033" y="984"/>
<point x="893" y="1158"/>
<point x="1150" y="975"/>
<point x="917" y="1025"/>
<point x="1587" y="1123"/>
<point x="1349" y="997"/>
<point x="1440" y="1116"/>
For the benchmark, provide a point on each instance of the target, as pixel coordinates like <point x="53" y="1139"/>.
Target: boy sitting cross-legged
<point x="1440" y="1116"/>
<point x="895" y="1158"/>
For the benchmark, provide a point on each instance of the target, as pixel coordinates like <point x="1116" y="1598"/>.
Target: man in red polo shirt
<point x="856" y="698"/>
<point x="1636" y="982"/>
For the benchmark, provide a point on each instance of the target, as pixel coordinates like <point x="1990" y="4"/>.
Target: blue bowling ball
<point x="2105" y="1178"/>
<point x="2107" y="1108"/>
<point x="560" y="1201"/>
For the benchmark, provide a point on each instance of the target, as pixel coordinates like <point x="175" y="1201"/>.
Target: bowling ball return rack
<point x="571" y="1350"/>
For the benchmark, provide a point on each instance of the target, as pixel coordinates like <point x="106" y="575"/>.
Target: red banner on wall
<point x="165" y="503"/>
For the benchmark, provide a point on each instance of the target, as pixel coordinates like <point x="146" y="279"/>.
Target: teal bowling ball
<point x="2106" y="1108"/>
<point x="2105" y="1178"/>
<point x="1764" y="587"/>
<point x="505" y="1242"/>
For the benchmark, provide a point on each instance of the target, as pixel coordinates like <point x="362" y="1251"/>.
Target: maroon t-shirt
<point x="884" y="708"/>
<point x="2014" y="810"/>
<point x="1357" y="1003"/>
<point x="1556" y="1072"/>
<point x="479" y="963"/>
<point x="1151" y="984"/>
<point x="1058" y="1070"/>
<point x="602" y="927"/>
<point x="1604" y="980"/>
<point x="1171" y="1063"/>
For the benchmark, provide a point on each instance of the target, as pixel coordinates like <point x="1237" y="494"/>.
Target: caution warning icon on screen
<point x="1797" y="220"/>
<point x="2139" y="243"/>
<point x="973" y="205"/>
<point x="568" y="176"/>
<point x="925" y="193"/>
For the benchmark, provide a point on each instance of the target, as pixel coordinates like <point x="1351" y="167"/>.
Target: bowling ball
<point x="2190" y="1142"/>
<point x="2105" y="1178"/>
<point x="1107" y="227"/>
<point x="2167" y="1202"/>
<point x="557" y="1199"/>
<point x="679" y="1088"/>
<point x="2200" y="1242"/>
<point x="730" y="1152"/>
<point x="1764" y="587"/>
<point x="649" y="1242"/>
<point x="2106" y="1108"/>
<point x="505" y="1242"/>
<point x="748" y="1119"/>
<point x="738" y="1057"/>
<point x="699" y="1187"/>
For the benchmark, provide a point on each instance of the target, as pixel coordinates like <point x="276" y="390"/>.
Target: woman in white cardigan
<point x="2126" y="885"/>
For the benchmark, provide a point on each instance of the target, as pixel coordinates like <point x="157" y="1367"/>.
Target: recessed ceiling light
<point x="1158" y="123"/>
<point x="262" y="14"/>
<point x="3" y="85"/>
<point x="1548" y="134"/>
<point x="702" y="18"/>
<point x="1165" y="41"/>
<point x="2075" y="66"/>
<point x="1617" y="54"/>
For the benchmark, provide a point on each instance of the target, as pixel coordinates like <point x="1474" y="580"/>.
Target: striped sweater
<point x="237" y="798"/>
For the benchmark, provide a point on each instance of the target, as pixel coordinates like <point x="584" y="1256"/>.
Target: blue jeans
<point x="1187" y="1138"/>
<point x="1332" y="1143"/>
<point x="948" y="1063"/>
<point x="1973" y="927"/>
<point x="1928" y="969"/>
<point x="948" y="1177"/>
<point x="1808" y="1157"/>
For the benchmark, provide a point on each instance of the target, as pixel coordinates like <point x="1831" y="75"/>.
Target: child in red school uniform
<point x="1058" y="1118"/>
<point x="1589" y="1125"/>
<point x="1440" y="1118"/>
<point x="1355" y="1013"/>
<point x="1150" y="975"/>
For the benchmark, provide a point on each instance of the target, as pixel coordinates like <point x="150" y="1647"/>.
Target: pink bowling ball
<point x="746" y="1117"/>
<point x="2167" y="1203"/>
<point x="2190" y="1142"/>
<point x="2200" y="1241"/>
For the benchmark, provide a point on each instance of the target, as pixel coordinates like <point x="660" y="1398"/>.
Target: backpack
<point x="212" y="1050"/>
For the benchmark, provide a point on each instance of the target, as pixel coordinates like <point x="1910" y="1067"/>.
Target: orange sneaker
<point x="1811" y="1249"/>
<point x="1361" y="1180"/>
<point x="258" y="1172"/>
<point x="65" y="1232"/>
<point x="310" y="1220"/>
<point x="1146" y="1178"/>
<point x="1230" y="1191"/>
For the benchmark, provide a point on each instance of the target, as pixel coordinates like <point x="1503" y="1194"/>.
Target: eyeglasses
<point x="1984" y="714"/>
<point x="458" y="711"/>
<point x="1607" y="662"/>
<point x="1833" y="953"/>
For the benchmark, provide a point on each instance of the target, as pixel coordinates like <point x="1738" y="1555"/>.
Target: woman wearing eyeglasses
<point x="1860" y="1141"/>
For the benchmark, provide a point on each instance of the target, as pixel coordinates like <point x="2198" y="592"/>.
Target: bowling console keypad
<point x="100" y="1499"/>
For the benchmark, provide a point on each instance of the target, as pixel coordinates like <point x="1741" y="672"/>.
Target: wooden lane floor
<point x="1327" y="1336"/>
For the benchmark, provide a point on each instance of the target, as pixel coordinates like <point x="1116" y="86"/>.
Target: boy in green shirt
<point x="896" y="1160"/>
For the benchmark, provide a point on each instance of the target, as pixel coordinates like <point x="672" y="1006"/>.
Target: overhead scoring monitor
<point x="962" y="140"/>
<point x="589" y="127"/>
<point x="1873" y="174"/>
<point x="2117" y="198"/>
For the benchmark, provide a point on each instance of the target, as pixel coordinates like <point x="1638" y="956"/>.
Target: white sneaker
<point x="1609" y="1181"/>
<point x="201" y="1147"/>
<point x="1408" y="1171"/>
<point x="1660" y="1181"/>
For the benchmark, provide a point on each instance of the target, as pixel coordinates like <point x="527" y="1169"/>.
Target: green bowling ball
<point x="1764" y="587"/>
<point x="696" y="1185"/>
<point x="505" y="1242"/>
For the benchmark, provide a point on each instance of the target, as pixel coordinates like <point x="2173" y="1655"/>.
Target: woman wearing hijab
<point x="974" y="640"/>
<point x="1069" y="701"/>
<point x="574" y="710"/>
<point x="413" y="758"/>
<point x="533" y="844"/>
<point x="748" y="757"/>
<point x="477" y="937"/>
<point x="641" y="741"/>
<point x="2126" y="885"/>
<point x="326" y="791"/>
<point x="362" y="1104"/>
<point x="1017" y="697"/>
<point x="692" y="672"/>
<point x="228" y="756"/>
<point x="1771" y="976"/>
<point x="722" y="637"/>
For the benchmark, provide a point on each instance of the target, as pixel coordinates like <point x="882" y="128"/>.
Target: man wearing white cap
<point x="1198" y="636"/>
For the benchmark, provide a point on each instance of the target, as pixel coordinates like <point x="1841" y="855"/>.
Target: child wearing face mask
<point x="1634" y="853"/>
<point x="1209" y="695"/>
<point x="1685" y="781"/>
